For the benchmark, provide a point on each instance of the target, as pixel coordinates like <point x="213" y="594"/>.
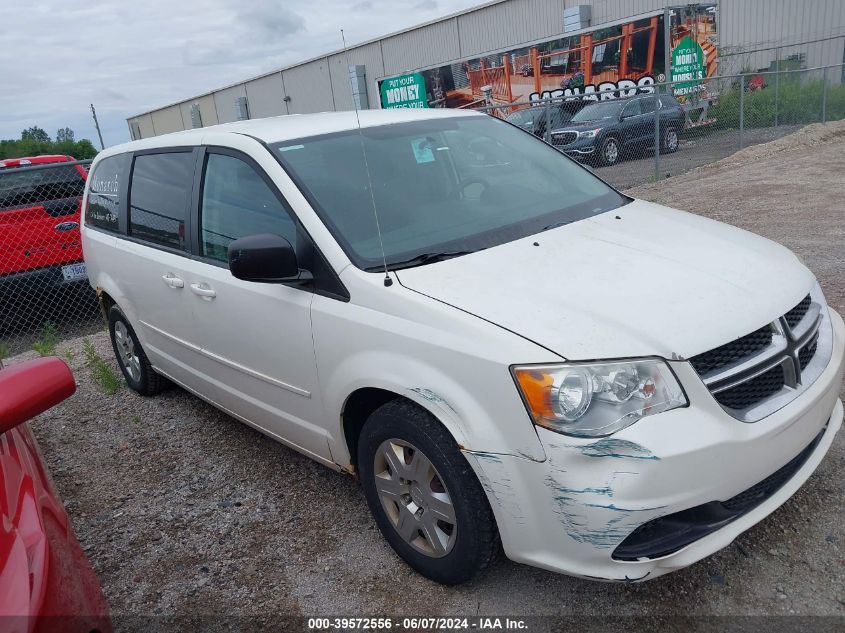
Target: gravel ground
<point x="183" y="510"/>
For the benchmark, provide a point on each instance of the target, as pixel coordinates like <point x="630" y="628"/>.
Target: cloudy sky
<point x="128" y="56"/>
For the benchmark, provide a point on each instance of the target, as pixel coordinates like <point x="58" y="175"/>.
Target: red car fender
<point x="46" y="581"/>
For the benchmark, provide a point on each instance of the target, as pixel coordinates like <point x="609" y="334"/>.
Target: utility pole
<point x="667" y="50"/>
<point x="97" y="125"/>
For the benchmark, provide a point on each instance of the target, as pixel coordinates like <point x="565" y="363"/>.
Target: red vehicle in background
<point x="46" y="581"/>
<point x="40" y="248"/>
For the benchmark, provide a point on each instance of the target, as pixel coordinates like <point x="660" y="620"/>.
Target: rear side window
<point x="159" y="197"/>
<point x="104" y="193"/>
<point x="34" y="185"/>
<point x="236" y="202"/>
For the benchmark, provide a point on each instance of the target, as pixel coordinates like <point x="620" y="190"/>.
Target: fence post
<point x="777" y="84"/>
<point x="548" y="134"/>
<point x="657" y="135"/>
<point x="824" y="95"/>
<point x="741" y="110"/>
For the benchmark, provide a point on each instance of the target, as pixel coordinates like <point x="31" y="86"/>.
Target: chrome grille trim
<point x="785" y="350"/>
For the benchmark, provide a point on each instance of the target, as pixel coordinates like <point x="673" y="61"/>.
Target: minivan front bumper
<point x="691" y="469"/>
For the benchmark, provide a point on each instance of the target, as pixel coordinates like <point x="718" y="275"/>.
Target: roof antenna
<point x="387" y="280"/>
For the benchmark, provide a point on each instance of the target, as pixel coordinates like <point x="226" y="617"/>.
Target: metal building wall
<point x="322" y="84"/>
<point x="266" y="96"/>
<point x="309" y="86"/>
<point x="745" y="25"/>
<point x="368" y="55"/>
<point x="168" y="120"/>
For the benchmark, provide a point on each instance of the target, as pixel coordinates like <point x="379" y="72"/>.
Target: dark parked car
<point x="604" y="131"/>
<point x="533" y="119"/>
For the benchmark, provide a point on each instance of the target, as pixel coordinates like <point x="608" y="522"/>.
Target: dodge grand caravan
<point x="499" y="344"/>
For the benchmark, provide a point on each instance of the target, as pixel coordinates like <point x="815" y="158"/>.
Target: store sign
<point x="604" y="63"/>
<point x="687" y="67"/>
<point x="405" y="91"/>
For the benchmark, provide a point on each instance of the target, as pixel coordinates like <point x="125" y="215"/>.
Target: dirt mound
<point x="807" y="138"/>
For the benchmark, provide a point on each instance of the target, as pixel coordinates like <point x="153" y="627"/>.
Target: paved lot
<point x="184" y="510"/>
<point x="696" y="148"/>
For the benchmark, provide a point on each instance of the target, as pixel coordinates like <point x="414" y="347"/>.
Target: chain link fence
<point x="636" y="135"/>
<point x="44" y="291"/>
<point x="627" y="136"/>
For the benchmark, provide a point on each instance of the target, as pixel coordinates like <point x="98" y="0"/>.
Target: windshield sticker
<point x="422" y="150"/>
<point x="291" y="147"/>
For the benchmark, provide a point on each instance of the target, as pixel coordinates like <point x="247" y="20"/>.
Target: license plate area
<point x="74" y="272"/>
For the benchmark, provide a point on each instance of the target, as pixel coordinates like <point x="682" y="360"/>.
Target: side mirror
<point x="31" y="388"/>
<point x="265" y="258"/>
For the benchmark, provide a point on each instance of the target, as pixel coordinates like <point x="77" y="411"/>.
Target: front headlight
<point x="597" y="399"/>
<point x="589" y="133"/>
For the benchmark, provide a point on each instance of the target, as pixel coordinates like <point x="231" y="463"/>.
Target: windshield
<point x="18" y="188"/>
<point x="445" y="185"/>
<point x="596" y="111"/>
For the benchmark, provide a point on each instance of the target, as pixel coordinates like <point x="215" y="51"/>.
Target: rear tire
<point x="424" y="496"/>
<point x="134" y="364"/>
<point x="670" y="141"/>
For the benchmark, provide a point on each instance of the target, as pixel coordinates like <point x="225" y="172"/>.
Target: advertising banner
<point x="694" y="45"/>
<point x="405" y="91"/>
<point x="603" y="63"/>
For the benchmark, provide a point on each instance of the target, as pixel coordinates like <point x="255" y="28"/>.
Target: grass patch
<point x="4" y="351"/>
<point x="46" y="345"/>
<point x="798" y="102"/>
<point x="101" y="372"/>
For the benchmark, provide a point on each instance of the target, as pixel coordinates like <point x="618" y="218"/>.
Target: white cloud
<point x="128" y="57"/>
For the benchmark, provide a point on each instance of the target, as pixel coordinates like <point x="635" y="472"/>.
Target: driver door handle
<point x="203" y="290"/>
<point x="173" y="281"/>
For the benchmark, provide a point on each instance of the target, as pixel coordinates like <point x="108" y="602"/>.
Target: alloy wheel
<point x="611" y="152"/>
<point x="126" y="348"/>
<point x="671" y="140"/>
<point x="415" y="498"/>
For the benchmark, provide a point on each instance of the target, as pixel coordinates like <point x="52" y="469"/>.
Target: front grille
<point x="564" y="138"/>
<point x="794" y="316"/>
<point x="807" y="352"/>
<point x="758" y="373"/>
<point x="667" y="534"/>
<point x="728" y="353"/>
<point x="751" y="392"/>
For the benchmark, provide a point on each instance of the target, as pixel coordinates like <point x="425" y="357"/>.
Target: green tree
<point x="64" y="134"/>
<point x="35" y="134"/>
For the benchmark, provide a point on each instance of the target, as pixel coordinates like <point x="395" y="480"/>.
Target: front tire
<point x="424" y="495"/>
<point x="609" y="152"/>
<point x="134" y="364"/>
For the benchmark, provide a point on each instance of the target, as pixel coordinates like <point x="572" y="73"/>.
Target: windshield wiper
<point x="427" y="258"/>
<point x="555" y="225"/>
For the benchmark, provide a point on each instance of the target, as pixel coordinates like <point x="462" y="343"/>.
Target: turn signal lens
<point x="597" y="399"/>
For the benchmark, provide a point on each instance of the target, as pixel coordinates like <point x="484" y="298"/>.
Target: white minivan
<point x="500" y="345"/>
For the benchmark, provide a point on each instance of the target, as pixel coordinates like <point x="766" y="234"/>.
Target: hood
<point x="592" y="124"/>
<point x="638" y="281"/>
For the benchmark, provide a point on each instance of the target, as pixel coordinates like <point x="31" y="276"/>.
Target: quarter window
<point x="159" y="198"/>
<point x="104" y="193"/>
<point x="236" y="202"/>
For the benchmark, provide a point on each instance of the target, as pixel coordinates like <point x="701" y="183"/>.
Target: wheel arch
<point x="362" y="402"/>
